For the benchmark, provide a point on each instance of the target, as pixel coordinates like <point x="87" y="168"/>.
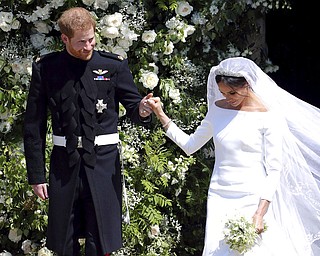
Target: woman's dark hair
<point x="232" y="81"/>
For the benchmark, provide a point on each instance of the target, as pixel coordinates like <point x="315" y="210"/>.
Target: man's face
<point x="81" y="45"/>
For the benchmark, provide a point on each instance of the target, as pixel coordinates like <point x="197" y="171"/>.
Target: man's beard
<point x="80" y="54"/>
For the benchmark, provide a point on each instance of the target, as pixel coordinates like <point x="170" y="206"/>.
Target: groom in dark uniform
<point x="82" y="88"/>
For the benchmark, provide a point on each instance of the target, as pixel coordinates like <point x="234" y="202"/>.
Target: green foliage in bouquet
<point x="240" y="234"/>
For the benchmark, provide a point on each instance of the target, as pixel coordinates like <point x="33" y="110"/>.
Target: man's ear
<point x="64" y="38"/>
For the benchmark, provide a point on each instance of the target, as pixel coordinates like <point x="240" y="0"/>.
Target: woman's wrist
<point x="166" y="124"/>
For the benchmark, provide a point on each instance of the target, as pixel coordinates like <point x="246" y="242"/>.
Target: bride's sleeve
<point x="272" y="157"/>
<point x="193" y="142"/>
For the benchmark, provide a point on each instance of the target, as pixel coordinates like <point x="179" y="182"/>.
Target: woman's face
<point x="234" y="95"/>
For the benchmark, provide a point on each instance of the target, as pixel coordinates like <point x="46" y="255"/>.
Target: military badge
<point x="100" y="106"/>
<point x="100" y="74"/>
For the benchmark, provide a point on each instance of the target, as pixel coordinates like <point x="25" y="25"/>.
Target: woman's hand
<point x="259" y="214"/>
<point x="156" y="105"/>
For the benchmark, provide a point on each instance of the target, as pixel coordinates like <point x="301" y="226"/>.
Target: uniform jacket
<point x="83" y="100"/>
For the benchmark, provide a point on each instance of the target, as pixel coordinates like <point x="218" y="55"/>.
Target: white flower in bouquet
<point x="240" y="234"/>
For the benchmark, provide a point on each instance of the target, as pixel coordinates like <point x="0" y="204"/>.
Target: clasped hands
<point x="150" y="104"/>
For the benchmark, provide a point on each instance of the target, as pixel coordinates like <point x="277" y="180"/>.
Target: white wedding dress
<point x="248" y="164"/>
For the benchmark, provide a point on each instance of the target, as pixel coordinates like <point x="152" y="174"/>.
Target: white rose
<point x="172" y="23"/>
<point x="5" y="27"/>
<point x="42" y="27"/>
<point x="37" y="40"/>
<point x="127" y="33"/>
<point x="5" y="253"/>
<point x="198" y="19"/>
<point x="102" y="4"/>
<point x="6" y="17"/>
<point x="113" y="20"/>
<point x="174" y="94"/>
<point x="15" y="235"/>
<point x="42" y="13"/>
<point x="120" y="51"/>
<point x="55" y="3"/>
<point x="15" y="24"/>
<point x="155" y="230"/>
<point x="131" y="9"/>
<point x="149" y="36"/>
<point x="183" y="8"/>
<point x="124" y="43"/>
<point x="149" y="79"/>
<point x="110" y="32"/>
<point x="44" y="252"/>
<point x="27" y="68"/>
<point x="17" y="67"/>
<point x="155" y="68"/>
<point x="189" y="30"/>
<point x="88" y="2"/>
<point x="26" y="246"/>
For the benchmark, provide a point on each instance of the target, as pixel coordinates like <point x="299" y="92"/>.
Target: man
<point x="82" y="89"/>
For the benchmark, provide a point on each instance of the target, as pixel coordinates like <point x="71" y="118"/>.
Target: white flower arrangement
<point x="240" y="234"/>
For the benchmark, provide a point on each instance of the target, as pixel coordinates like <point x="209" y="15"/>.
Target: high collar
<point x="76" y="61"/>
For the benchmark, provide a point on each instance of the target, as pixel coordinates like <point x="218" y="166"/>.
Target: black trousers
<point x="83" y="222"/>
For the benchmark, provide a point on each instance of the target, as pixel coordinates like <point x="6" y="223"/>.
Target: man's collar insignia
<point x="100" y="106"/>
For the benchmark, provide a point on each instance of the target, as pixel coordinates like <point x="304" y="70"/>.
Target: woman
<point x="267" y="160"/>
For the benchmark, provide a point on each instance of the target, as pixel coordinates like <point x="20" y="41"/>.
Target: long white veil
<point x="297" y="202"/>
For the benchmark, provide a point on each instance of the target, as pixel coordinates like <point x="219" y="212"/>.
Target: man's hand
<point x="144" y="109"/>
<point x="41" y="190"/>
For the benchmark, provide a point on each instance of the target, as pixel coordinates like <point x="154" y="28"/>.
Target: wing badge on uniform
<point x="100" y="74"/>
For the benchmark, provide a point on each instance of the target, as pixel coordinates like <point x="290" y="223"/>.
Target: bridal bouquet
<point x="240" y="234"/>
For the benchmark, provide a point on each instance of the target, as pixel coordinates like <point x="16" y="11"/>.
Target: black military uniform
<point x="83" y="98"/>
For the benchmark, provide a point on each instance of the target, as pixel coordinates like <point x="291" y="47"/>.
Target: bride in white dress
<point x="267" y="161"/>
